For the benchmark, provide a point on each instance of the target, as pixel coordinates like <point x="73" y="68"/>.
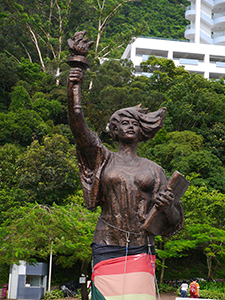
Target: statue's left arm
<point x="166" y="207"/>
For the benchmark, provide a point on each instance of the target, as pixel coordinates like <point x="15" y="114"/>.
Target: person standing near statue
<point x="127" y="188"/>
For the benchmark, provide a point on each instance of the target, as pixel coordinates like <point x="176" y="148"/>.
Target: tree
<point x="49" y="172"/>
<point x="193" y="104"/>
<point x="8" y="78"/>
<point x="164" y="72"/>
<point x="19" y="99"/>
<point x="184" y="151"/>
<point x="9" y="154"/>
<point x="215" y="140"/>
<point x="212" y="241"/>
<point x="204" y="229"/>
<point x="49" y="110"/>
<point x="28" y="232"/>
<point x="105" y="11"/>
<point x="42" y="27"/>
<point x="42" y="24"/>
<point x="11" y="197"/>
<point x="21" y="127"/>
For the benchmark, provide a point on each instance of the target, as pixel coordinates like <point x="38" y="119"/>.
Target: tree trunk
<point x="84" y="292"/>
<point x="57" y="75"/>
<point x="214" y="269"/>
<point x="35" y="41"/>
<point x="162" y="270"/>
<point x="209" y="265"/>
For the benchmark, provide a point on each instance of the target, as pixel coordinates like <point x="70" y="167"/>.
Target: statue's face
<point x="128" y="130"/>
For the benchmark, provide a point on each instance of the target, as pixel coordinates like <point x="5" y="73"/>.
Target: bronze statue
<point x="126" y="187"/>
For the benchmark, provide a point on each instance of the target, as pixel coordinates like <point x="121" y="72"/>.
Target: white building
<point x="207" y="22"/>
<point x="204" y="53"/>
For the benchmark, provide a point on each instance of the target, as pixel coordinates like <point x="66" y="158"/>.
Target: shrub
<point x="210" y="294"/>
<point x="54" y="295"/>
<point x="165" y="288"/>
<point x="214" y="286"/>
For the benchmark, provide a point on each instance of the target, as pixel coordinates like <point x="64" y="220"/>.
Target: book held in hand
<point x="156" y="219"/>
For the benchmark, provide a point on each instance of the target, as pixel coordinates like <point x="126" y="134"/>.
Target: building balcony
<point x="189" y="32"/>
<point x="210" y="3"/>
<point x="219" y="5"/>
<point x="207" y="18"/>
<point x="205" y="37"/>
<point x="205" y="15"/>
<point x="185" y="61"/>
<point x="219" y="38"/>
<point x="190" y="12"/>
<point x="218" y="22"/>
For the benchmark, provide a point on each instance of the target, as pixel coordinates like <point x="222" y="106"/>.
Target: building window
<point x="34" y="280"/>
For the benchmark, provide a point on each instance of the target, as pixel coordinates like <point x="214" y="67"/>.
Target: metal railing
<point x="190" y="26"/>
<point x="219" y="15"/>
<point x="218" y="1"/>
<point x="218" y="34"/>
<point x="160" y="38"/>
<point x="190" y="7"/>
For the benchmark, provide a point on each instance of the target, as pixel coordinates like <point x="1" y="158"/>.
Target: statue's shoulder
<point x="154" y="168"/>
<point x="150" y="163"/>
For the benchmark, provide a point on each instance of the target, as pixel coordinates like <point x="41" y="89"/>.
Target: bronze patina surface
<point x="126" y="187"/>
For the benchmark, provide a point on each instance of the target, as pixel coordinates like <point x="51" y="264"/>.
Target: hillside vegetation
<point x="41" y="201"/>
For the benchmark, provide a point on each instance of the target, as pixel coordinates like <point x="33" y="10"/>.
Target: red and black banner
<point x="119" y="274"/>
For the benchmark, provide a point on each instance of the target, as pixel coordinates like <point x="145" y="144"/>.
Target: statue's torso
<point x="127" y="192"/>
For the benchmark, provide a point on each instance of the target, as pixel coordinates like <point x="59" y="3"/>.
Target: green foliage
<point x="33" y="114"/>
<point x="48" y="110"/>
<point x="193" y="104"/>
<point x="49" y="171"/>
<point x="22" y="127"/>
<point x="30" y="72"/>
<point x="213" y="286"/>
<point x="19" y="99"/>
<point x="56" y="294"/>
<point x="212" y="290"/>
<point x="215" y="140"/>
<point x="8" y="78"/>
<point x="4" y="278"/>
<point x="114" y="87"/>
<point x="164" y="72"/>
<point x="184" y="151"/>
<point x="11" y="197"/>
<point x="207" y="294"/>
<point x="175" y="147"/>
<point x="9" y="154"/>
<point x="203" y="229"/>
<point x="29" y="231"/>
<point x="165" y="288"/>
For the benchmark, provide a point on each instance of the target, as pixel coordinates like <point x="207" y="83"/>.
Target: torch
<point x="78" y="47"/>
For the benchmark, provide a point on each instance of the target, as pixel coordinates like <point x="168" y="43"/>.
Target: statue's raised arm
<point x="78" y="47"/>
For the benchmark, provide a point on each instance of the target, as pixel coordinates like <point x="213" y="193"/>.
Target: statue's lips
<point x="130" y="132"/>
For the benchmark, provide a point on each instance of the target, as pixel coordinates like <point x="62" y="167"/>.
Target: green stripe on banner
<point x="95" y="293"/>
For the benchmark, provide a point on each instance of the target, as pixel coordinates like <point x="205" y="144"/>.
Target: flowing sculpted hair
<point x="149" y="123"/>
